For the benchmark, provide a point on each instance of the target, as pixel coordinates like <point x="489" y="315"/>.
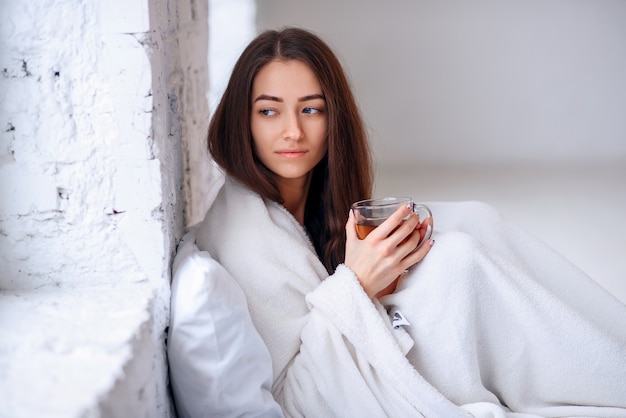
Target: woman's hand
<point x="386" y="252"/>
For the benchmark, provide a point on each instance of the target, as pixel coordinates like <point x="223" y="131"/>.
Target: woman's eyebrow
<point x="311" y="97"/>
<point x="280" y="100"/>
<point x="268" y="97"/>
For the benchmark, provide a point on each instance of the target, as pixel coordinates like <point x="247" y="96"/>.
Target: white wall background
<point x="445" y="82"/>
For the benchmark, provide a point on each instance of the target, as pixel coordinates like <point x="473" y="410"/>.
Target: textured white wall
<point x="97" y="103"/>
<point x="76" y="184"/>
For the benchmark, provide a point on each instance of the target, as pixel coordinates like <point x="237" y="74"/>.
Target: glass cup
<point x="372" y="212"/>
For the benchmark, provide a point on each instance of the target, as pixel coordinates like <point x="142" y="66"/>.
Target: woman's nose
<point x="292" y="130"/>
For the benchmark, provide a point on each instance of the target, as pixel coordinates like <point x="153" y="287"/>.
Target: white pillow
<point x="219" y="365"/>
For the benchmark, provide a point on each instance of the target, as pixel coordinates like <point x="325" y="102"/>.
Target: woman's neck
<point x="294" y="193"/>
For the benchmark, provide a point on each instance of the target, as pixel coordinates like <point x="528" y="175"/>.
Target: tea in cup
<point x="371" y="213"/>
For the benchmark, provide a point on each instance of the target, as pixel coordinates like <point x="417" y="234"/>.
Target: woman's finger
<point x="423" y="227"/>
<point x="391" y="223"/>
<point x="351" y="226"/>
<point x="404" y="232"/>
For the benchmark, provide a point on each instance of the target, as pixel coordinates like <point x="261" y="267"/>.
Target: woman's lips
<point x="292" y="153"/>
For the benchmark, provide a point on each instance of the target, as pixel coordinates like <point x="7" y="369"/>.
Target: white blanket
<point x="494" y="321"/>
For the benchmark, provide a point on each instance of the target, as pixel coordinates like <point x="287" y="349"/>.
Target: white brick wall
<point x="99" y="101"/>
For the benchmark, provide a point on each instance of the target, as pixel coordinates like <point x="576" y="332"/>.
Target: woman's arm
<point x="352" y="362"/>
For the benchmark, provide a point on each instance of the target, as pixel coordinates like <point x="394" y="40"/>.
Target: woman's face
<point x="289" y="120"/>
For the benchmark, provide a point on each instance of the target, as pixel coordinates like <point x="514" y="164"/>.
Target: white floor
<point x="579" y="211"/>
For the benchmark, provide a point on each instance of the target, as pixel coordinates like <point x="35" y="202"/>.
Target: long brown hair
<point x="343" y="176"/>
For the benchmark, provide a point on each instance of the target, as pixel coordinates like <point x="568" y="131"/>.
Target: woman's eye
<point x="268" y="112"/>
<point x="311" y="110"/>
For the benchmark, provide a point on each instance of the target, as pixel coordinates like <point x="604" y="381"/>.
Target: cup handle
<point x="425" y="216"/>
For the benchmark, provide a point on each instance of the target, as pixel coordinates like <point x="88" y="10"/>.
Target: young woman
<point x="488" y="321"/>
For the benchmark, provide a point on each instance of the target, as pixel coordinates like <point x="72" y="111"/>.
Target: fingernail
<point x="432" y="242"/>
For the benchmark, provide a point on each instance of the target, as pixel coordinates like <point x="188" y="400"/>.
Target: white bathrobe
<point x="490" y="323"/>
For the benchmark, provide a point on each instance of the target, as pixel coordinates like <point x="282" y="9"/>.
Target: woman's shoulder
<point x="229" y="195"/>
<point x="231" y="215"/>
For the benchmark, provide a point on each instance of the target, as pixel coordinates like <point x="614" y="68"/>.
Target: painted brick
<point x="99" y="103"/>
